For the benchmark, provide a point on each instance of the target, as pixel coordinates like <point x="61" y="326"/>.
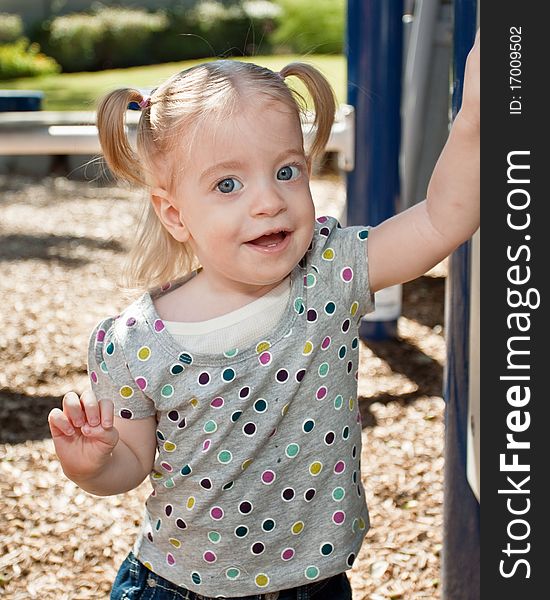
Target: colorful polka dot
<point x="169" y="446"/>
<point x="231" y="353"/>
<point x="236" y="415"/>
<point x="260" y="406"/>
<point x="311" y="572"/>
<point x="309" y="494"/>
<point x="176" y="369"/>
<point x="299" y="305"/>
<point x="110" y="350"/>
<point x="257" y="548"/>
<point x="310" y="280"/>
<point x="100" y="336"/>
<point x="217" y="402"/>
<point x="126" y="413"/>
<point x="216" y="513"/>
<point x="311" y="315"/>
<point x="186" y="470"/>
<point x="346" y="325"/>
<point x="262" y="347"/>
<point x="287" y="554"/>
<point x="330" y="436"/>
<point x="292" y="450"/>
<point x="326" y="549"/>
<point x="141" y="383"/>
<point x="338" y="402"/>
<point x="339" y="467"/>
<point x="93" y="377"/>
<point x="268" y="525"/>
<point x="325" y="344"/>
<point x="232" y="573"/>
<point x="282" y="375"/>
<point x="170" y="559"/>
<point x="265" y="358"/>
<point x="206" y="445"/>
<point x="167" y="391"/>
<point x="181" y="524"/>
<point x="144" y="353"/>
<point x="189" y="505"/>
<point x="245" y="507"/>
<point x="249" y="429"/>
<point x="308" y="348"/>
<point x="308" y="425"/>
<point x="328" y="254"/>
<point x="339" y="517"/>
<point x="158" y="325"/>
<point x="363" y="234"/>
<point x="214" y="537"/>
<point x="204" y="378"/>
<point x="288" y="494"/>
<point x="268" y="477"/>
<point x="321" y="392"/>
<point x="206" y="483"/>
<point x="330" y="308"/>
<point x="196" y="578"/>
<point x="126" y="391"/>
<point x="261" y="580"/>
<point x="175" y="542"/>
<point x="225" y="457"/>
<point x="346" y="274"/>
<point x="185" y="358"/>
<point x="300" y="375"/>
<point x="209" y="557"/>
<point x="354" y="308"/>
<point x="228" y="374"/>
<point x="315" y="468"/>
<point x="241" y="531"/>
<point x="210" y="427"/>
<point x="297" y="528"/>
<point x="167" y="466"/>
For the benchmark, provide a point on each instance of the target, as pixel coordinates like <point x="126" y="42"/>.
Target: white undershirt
<point x="236" y="329"/>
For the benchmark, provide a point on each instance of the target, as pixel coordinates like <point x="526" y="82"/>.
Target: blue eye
<point x="288" y="172"/>
<point x="226" y="186"/>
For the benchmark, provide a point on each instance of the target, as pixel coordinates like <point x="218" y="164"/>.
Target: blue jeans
<point x="136" y="582"/>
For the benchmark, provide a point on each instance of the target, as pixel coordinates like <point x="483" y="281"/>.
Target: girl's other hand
<point x="471" y="94"/>
<point x="83" y="434"/>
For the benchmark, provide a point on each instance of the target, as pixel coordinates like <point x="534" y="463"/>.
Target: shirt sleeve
<point x="345" y="250"/>
<point x="110" y="377"/>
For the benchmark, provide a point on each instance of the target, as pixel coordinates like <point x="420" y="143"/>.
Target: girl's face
<point x="243" y="198"/>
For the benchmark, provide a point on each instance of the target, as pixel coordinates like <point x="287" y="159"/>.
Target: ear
<point x="169" y="214"/>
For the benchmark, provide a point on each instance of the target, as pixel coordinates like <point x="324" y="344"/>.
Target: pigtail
<point x="120" y="157"/>
<point x="324" y="101"/>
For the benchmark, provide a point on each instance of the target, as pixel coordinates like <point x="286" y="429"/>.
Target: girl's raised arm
<point x="412" y="242"/>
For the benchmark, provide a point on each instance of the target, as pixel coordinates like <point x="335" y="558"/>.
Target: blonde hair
<point x="178" y="107"/>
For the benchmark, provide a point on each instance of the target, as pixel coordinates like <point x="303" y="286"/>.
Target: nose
<point x="268" y="202"/>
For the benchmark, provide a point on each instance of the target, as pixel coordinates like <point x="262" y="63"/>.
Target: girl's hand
<point x="470" y="95"/>
<point x="83" y="434"/>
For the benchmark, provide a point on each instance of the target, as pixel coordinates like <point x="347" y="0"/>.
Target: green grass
<point x="80" y="91"/>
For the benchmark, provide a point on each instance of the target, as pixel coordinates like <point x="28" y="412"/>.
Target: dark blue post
<point x="461" y="551"/>
<point x="374" y="51"/>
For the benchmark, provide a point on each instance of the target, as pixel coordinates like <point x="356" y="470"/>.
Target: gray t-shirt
<point x="257" y="479"/>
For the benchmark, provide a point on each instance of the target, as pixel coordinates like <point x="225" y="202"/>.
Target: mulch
<point x="62" y="245"/>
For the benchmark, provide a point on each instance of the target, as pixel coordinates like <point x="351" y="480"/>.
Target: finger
<point x="60" y="426"/>
<point x="73" y="409"/>
<point x="107" y="411"/>
<point x="98" y="433"/>
<point x="91" y="407"/>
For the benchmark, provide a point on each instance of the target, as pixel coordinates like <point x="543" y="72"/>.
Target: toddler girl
<point x="233" y="386"/>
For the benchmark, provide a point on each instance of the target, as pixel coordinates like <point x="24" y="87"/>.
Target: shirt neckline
<point x="178" y="352"/>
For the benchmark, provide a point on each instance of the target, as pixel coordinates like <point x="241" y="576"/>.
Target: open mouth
<point x="271" y="240"/>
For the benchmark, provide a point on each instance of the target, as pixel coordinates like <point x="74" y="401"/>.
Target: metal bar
<point x="374" y="50"/>
<point x="461" y="550"/>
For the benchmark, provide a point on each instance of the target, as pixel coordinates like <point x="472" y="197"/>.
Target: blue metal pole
<point x="461" y="549"/>
<point x="374" y="51"/>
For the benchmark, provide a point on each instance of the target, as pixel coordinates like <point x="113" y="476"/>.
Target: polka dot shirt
<point x="256" y="482"/>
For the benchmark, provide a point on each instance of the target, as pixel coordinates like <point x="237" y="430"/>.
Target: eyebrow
<point x="232" y="164"/>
